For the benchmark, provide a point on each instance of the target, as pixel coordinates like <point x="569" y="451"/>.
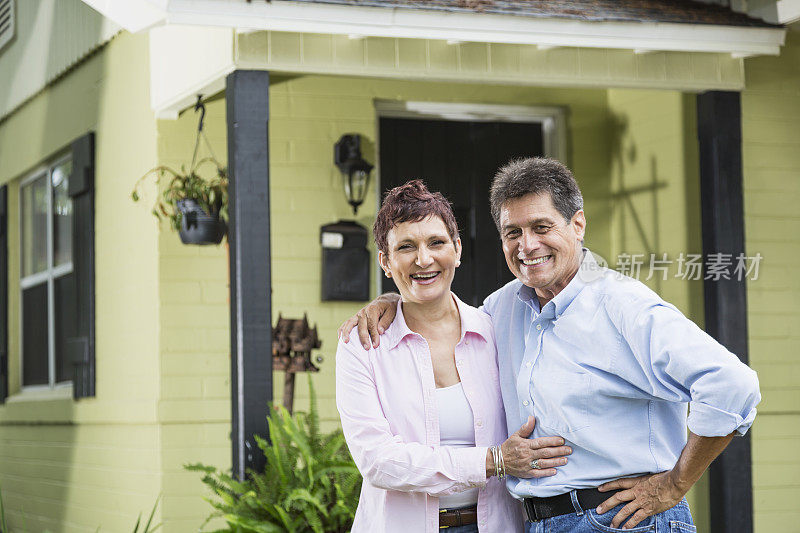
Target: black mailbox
<point x="345" y="261"/>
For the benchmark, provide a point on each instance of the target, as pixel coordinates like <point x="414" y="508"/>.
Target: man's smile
<point x="536" y="261"/>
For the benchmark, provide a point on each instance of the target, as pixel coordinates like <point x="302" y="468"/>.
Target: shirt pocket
<point x="561" y="402"/>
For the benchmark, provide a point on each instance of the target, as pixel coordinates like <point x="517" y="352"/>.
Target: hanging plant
<point x="196" y="207"/>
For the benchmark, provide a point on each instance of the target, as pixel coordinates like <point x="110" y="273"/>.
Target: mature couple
<point x="593" y="370"/>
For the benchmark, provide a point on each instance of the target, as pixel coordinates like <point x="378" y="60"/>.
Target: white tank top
<point x="456" y="428"/>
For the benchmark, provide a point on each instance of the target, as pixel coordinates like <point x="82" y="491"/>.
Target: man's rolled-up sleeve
<point x="681" y="362"/>
<point x="383" y="458"/>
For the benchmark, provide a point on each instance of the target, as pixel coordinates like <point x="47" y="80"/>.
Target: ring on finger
<point x="535" y="464"/>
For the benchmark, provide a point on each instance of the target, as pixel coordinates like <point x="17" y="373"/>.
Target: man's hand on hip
<point x="654" y="493"/>
<point x="647" y="495"/>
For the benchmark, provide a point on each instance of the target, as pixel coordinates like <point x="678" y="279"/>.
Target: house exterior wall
<point x="194" y="409"/>
<point x="50" y="37"/>
<point x="771" y="159"/>
<point x="655" y="207"/>
<point x="74" y="466"/>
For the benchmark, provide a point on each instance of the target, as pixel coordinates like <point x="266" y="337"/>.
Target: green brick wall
<point x="69" y="466"/>
<point x="194" y="397"/>
<point x="771" y="158"/>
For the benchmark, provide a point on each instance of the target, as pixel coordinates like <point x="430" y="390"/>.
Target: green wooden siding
<point x="771" y="157"/>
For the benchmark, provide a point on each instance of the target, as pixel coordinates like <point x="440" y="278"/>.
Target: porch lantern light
<point x="355" y="171"/>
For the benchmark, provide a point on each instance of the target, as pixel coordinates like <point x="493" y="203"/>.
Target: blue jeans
<point x="675" y="520"/>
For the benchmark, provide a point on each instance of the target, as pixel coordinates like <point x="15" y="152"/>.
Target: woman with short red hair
<point x="422" y="413"/>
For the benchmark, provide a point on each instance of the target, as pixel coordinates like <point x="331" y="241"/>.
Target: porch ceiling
<point x="186" y="61"/>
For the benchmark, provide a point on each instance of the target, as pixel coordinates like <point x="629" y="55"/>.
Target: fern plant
<point x="309" y="484"/>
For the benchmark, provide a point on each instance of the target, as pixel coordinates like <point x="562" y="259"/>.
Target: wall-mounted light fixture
<point x="355" y="171"/>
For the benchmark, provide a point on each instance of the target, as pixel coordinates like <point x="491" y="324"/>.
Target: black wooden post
<point x="247" y="98"/>
<point x="720" y="134"/>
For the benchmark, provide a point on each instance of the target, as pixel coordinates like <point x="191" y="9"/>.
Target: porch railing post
<point x="247" y="100"/>
<point x="719" y="131"/>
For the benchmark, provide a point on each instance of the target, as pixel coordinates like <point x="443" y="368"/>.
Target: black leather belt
<point x="540" y="508"/>
<point x="458" y="517"/>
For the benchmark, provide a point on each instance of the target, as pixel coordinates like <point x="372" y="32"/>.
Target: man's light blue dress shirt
<point x="610" y="367"/>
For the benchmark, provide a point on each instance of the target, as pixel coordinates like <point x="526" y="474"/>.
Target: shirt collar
<point x="586" y="270"/>
<point x="471" y="321"/>
<point x="398" y="329"/>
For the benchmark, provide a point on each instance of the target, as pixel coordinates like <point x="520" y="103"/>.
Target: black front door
<point x="459" y="159"/>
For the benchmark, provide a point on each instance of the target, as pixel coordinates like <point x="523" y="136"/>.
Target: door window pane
<point x="34" y="227"/>
<point x="35" y="368"/>
<point x="62" y="214"/>
<point x="65" y="324"/>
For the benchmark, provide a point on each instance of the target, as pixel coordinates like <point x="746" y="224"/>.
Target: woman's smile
<point x="425" y="278"/>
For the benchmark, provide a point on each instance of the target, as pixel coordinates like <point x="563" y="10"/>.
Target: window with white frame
<point x="47" y="283"/>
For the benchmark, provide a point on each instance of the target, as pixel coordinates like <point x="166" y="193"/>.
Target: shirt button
<point x="460" y="361"/>
<point x="539" y="327"/>
<point x="529" y="364"/>
<point x="479" y="422"/>
<point x="525" y="402"/>
<point x="466" y="342"/>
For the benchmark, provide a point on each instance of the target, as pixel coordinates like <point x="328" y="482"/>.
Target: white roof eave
<point x="288" y="16"/>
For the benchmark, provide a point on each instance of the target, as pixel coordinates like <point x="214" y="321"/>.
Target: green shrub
<point x="309" y="484"/>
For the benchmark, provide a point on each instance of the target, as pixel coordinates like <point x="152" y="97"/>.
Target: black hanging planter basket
<point x="197" y="226"/>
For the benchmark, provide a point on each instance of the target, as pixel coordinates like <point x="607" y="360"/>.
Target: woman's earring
<point x="388" y="274"/>
<point x="458" y="262"/>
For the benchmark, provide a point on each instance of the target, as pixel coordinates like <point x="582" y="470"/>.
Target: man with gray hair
<point x="602" y="361"/>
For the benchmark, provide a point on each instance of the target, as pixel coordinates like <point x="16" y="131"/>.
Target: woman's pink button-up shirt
<point x="387" y="402"/>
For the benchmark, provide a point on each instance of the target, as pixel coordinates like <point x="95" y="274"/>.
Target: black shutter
<point x="3" y="294"/>
<point x="80" y="349"/>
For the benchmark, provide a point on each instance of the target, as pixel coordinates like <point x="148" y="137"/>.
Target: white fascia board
<point x="133" y="15"/>
<point x="186" y="61"/>
<point x="288" y="16"/>
<point x="778" y="12"/>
